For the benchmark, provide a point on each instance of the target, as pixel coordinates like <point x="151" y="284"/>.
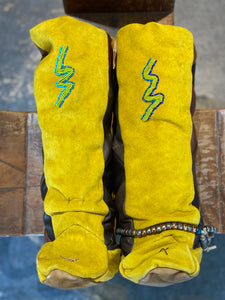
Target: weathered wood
<point x="210" y="165"/>
<point x="20" y="173"/>
<point x="100" y="6"/>
<point x="221" y="166"/>
<point x="12" y="171"/>
<point x="21" y="167"/>
<point x="33" y="214"/>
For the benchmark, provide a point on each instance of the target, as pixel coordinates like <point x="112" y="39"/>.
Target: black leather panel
<point x="46" y="218"/>
<point x="109" y="220"/>
<point x="123" y="221"/>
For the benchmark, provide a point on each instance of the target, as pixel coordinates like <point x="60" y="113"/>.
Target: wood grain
<point x="20" y="173"/>
<point x="21" y="167"/>
<point x="221" y="165"/>
<point x="210" y="165"/>
<point x="33" y="209"/>
<point x="12" y="171"/>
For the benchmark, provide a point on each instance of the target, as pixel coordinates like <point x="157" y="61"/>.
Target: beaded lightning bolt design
<point x="67" y="73"/>
<point x="149" y="96"/>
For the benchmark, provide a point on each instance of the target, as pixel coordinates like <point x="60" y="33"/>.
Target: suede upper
<point x="154" y="75"/>
<point x="71" y="88"/>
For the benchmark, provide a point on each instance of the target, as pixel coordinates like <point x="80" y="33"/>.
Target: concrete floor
<point x="206" y="21"/>
<point x="18" y="59"/>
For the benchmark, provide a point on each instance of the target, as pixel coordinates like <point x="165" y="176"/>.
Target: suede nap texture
<point x="75" y="73"/>
<point x="157" y="150"/>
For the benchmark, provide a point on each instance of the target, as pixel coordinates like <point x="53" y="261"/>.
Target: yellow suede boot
<point x="156" y="197"/>
<point x="72" y="91"/>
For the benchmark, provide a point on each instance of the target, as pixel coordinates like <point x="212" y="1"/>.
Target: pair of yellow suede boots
<point x="135" y="175"/>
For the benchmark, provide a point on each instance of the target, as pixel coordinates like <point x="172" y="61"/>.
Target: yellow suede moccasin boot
<point x="74" y="104"/>
<point x="154" y="145"/>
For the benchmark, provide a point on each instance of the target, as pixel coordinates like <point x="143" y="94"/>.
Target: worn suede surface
<point x="73" y="139"/>
<point x="157" y="152"/>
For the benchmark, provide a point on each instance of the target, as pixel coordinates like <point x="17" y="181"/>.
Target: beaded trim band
<point x="205" y="233"/>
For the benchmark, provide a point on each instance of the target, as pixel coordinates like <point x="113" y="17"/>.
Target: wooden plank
<point x="33" y="209"/>
<point x="21" y="167"/>
<point x="114" y="14"/>
<point x="100" y="6"/>
<point x="12" y="171"/>
<point x="210" y="155"/>
<point x="11" y="210"/>
<point x="221" y="165"/>
<point x="115" y="21"/>
<point x="20" y="171"/>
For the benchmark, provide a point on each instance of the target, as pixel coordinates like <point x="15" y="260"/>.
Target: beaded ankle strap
<point x="205" y="233"/>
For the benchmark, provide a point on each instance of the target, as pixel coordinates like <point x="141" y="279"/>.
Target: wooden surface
<point x="93" y="6"/>
<point x="113" y="14"/>
<point x="21" y="207"/>
<point x="210" y="165"/>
